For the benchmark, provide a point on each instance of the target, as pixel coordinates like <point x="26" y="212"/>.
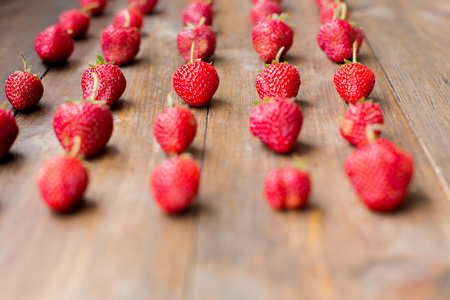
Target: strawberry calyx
<point x="25" y="67"/>
<point x="282" y="17"/>
<point x="189" y="25"/>
<point x="100" y="61"/>
<point x="4" y="107"/>
<point x="370" y="131"/>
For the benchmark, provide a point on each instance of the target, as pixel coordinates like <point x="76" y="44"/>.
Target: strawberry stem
<point x="354" y="51"/>
<point x="343" y="10"/>
<point x="126" y="14"/>
<point x="192" y="52"/>
<point x="280" y="52"/>
<point x="370" y="131"/>
<point x="202" y="21"/>
<point x="86" y="9"/>
<point x="76" y="146"/>
<point x="95" y="87"/>
<point x="26" y="69"/>
<point x="170" y="99"/>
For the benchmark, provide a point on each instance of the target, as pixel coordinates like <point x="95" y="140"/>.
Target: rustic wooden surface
<point x="230" y="245"/>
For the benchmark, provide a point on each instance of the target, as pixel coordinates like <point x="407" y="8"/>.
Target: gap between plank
<point x="436" y="169"/>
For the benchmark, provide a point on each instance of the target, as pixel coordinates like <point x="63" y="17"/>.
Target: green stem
<point x="354" y="51"/>
<point x="95" y="87"/>
<point x="192" y="52"/>
<point x="280" y="52"/>
<point x="76" y="146"/>
<point x="127" y="18"/>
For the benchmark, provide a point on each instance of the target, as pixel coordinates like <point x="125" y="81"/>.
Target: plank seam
<point x="436" y="169"/>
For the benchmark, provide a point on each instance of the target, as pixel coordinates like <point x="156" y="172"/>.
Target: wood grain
<point x="230" y="245"/>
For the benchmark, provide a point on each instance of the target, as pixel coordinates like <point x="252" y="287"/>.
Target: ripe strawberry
<point x="174" y="184"/>
<point x="120" y="44"/>
<point x="206" y="2"/>
<point x="62" y="181"/>
<point x="92" y="122"/>
<point x="108" y="82"/>
<point x="93" y="7"/>
<point x="354" y="81"/>
<point x="336" y="39"/>
<point x="23" y="89"/>
<point x="261" y="10"/>
<point x="196" y="82"/>
<point x="53" y="44"/>
<point x="203" y="37"/>
<point x="75" y="22"/>
<point x="287" y="188"/>
<point x="330" y="10"/>
<point x="128" y="16"/>
<point x="143" y="6"/>
<point x="278" y="80"/>
<point x="277" y="123"/>
<point x="270" y="35"/>
<point x="175" y="129"/>
<point x="358" y="119"/>
<point x="194" y="12"/>
<point x="380" y="173"/>
<point x="8" y="131"/>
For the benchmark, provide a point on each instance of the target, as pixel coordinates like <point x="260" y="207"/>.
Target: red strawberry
<point x="329" y="11"/>
<point x="128" y="18"/>
<point x="108" y="82"/>
<point x="277" y="124"/>
<point x="23" y="89"/>
<point x="8" y="131"/>
<point x="196" y="82"/>
<point x="174" y="184"/>
<point x="270" y="35"/>
<point x="336" y="38"/>
<point x="354" y="81"/>
<point x="75" y="22"/>
<point x="206" y="2"/>
<point x="92" y="122"/>
<point x="287" y="188"/>
<point x="175" y="129"/>
<point x="53" y="44"/>
<point x="203" y="37"/>
<point x="93" y="7"/>
<point x="278" y="80"/>
<point x="194" y="12"/>
<point x="380" y="173"/>
<point x="143" y="6"/>
<point x="120" y="44"/>
<point x="261" y="10"/>
<point x="62" y="181"/>
<point x="359" y="118"/>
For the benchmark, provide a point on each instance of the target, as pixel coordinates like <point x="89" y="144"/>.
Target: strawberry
<point x="23" y="89"/>
<point x="194" y="12"/>
<point x="128" y="16"/>
<point x="258" y="1"/>
<point x="206" y="2"/>
<point x="175" y="128"/>
<point x="92" y="122"/>
<point x="287" y="188"/>
<point x="270" y="35"/>
<point x="278" y="80"/>
<point x="336" y="39"/>
<point x="120" y="44"/>
<point x="54" y="44"/>
<point x="174" y="184"/>
<point x="75" y="22"/>
<point x="93" y="7"/>
<point x="108" y="81"/>
<point x="358" y="119"/>
<point x="329" y="11"/>
<point x="261" y="10"/>
<point x="196" y="82"/>
<point x="143" y="6"/>
<point x="8" y="131"/>
<point x="380" y="173"/>
<point x="62" y="181"/>
<point x="277" y="123"/>
<point x="354" y="81"/>
<point x="203" y="37"/>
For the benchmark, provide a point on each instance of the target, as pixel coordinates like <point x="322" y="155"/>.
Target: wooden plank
<point x="119" y="245"/>
<point x="335" y="249"/>
<point x="417" y="67"/>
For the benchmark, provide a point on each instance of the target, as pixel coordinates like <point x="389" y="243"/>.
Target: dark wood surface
<point x="230" y="245"/>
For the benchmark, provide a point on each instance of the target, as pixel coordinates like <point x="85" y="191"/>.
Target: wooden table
<point x="230" y="245"/>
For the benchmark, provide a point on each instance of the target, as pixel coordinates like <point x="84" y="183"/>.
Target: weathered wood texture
<point x="231" y="245"/>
